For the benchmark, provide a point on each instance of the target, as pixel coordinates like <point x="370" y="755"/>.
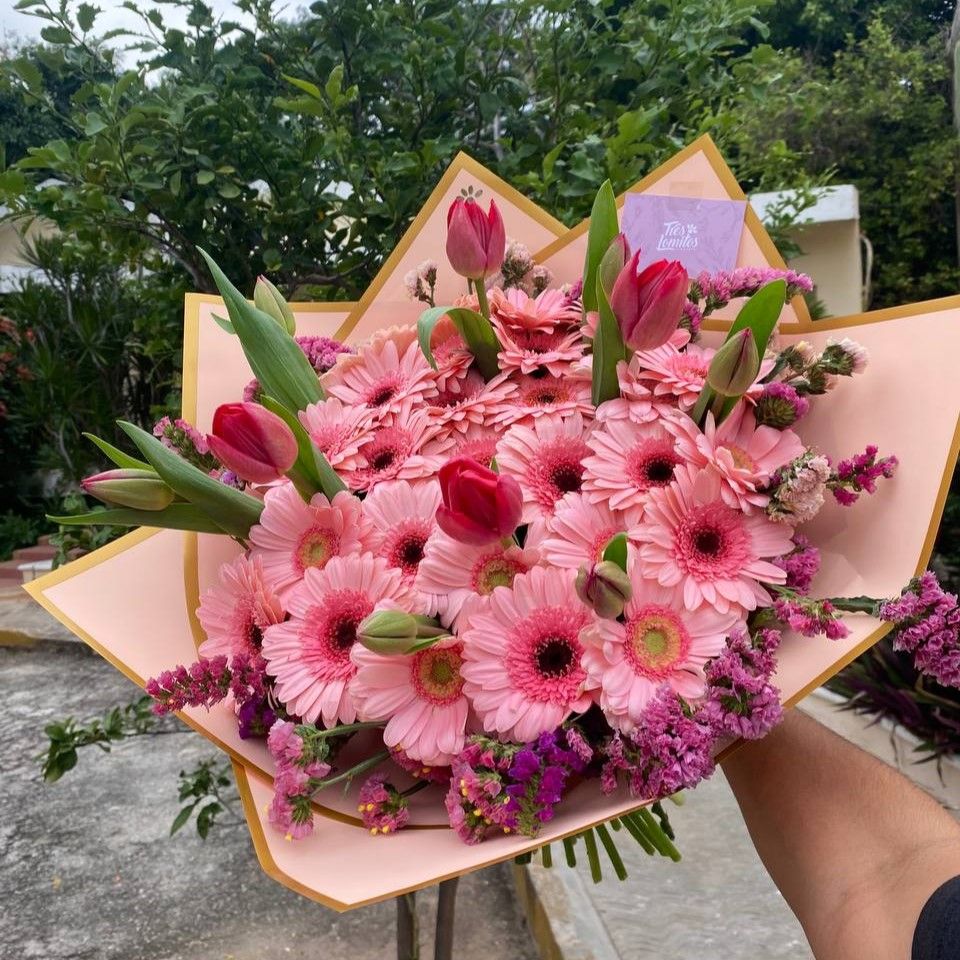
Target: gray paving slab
<point x="87" y="871"/>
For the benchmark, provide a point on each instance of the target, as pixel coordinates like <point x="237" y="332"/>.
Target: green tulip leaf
<point x="760" y="313"/>
<point x="178" y="516"/>
<point x="616" y="551"/>
<point x="229" y="509"/>
<point x="312" y="472"/>
<point x="477" y="333"/>
<point x="603" y="228"/>
<point x="274" y="357"/>
<point x="116" y="455"/>
<point x="608" y="351"/>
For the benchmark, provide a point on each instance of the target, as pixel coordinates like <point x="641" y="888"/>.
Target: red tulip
<point x="648" y="306"/>
<point x="252" y="442"/>
<point x="476" y="241"/>
<point x="479" y="506"/>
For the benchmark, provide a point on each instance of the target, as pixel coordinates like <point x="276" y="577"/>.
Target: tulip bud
<point x="267" y="297"/>
<point x="139" y="489"/>
<point x="479" y="506"/>
<point x="252" y="442"/>
<point x="735" y="365"/>
<point x="605" y="587"/>
<point x="398" y="632"/>
<point x="613" y="261"/>
<point x="476" y="241"/>
<point x="648" y="306"/>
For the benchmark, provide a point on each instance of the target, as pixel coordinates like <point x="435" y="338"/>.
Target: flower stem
<point x="482" y="298"/>
<point x="355" y="771"/>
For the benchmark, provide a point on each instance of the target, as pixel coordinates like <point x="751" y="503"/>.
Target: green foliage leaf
<point x="473" y="327"/>
<point x="760" y="313"/>
<point x="234" y="512"/>
<point x="616" y="551"/>
<point x="177" y="516"/>
<point x="603" y="228"/>
<point x="608" y="350"/>
<point x="116" y="455"/>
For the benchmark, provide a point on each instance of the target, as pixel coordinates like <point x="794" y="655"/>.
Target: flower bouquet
<point x="522" y="564"/>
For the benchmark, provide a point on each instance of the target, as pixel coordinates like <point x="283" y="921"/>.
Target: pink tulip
<point x="476" y="241"/>
<point x="479" y="506"/>
<point x="252" y="442"/>
<point x="648" y="306"/>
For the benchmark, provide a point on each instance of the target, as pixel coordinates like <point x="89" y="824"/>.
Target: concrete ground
<point x="88" y="871"/>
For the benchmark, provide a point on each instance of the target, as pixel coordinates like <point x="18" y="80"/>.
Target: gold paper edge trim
<point x="461" y="162"/>
<point x="705" y="145"/>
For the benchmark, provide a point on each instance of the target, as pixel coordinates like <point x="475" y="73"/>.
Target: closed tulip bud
<point x="479" y="506"/>
<point x="648" y="305"/>
<point x="735" y="365"/>
<point x="398" y="632"/>
<point x="605" y="587"/>
<point x="267" y="297"/>
<point x="139" y="489"/>
<point x="476" y="241"/>
<point x="252" y="442"/>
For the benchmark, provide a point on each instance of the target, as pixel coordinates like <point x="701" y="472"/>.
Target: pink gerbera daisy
<point x="293" y="536"/>
<point x="309" y="654"/>
<point x="478" y="443"/>
<point x="390" y="370"/>
<point x="522" y="655"/>
<point x="744" y="455"/>
<point x="452" y="573"/>
<point x="629" y="460"/>
<point x="675" y="372"/>
<point x="534" y="397"/>
<point x="236" y="611"/>
<point x="546" y="458"/>
<point x="470" y="406"/>
<point x="405" y="447"/>
<point x="516" y="310"/>
<point x="578" y="532"/>
<point x="531" y="350"/>
<point x="402" y="517"/>
<point x="718" y="554"/>
<point x="451" y="355"/>
<point x="337" y="431"/>
<point x="659" y="642"/>
<point x="420" y="696"/>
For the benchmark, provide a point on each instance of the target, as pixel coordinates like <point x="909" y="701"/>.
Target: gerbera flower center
<point x="567" y="477"/>
<point x="383" y="391"/>
<point x="554" y="656"/>
<point x="557" y="470"/>
<point x="656" y="641"/>
<point x="651" y="463"/>
<point x="712" y="542"/>
<point x="492" y="571"/>
<point x="255" y="635"/>
<point x="316" y="547"/>
<point x="330" y="629"/>
<point x="741" y="459"/>
<point x="406" y="552"/>
<point x="436" y="675"/>
<point x="383" y="459"/>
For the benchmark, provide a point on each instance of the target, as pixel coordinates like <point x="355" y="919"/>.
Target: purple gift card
<point x="701" y="234"/>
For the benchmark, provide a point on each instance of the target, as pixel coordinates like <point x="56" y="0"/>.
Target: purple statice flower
<point x="740" y="700"/>
<point x="255" y="718"/>
<point x="322" y="352"/>
<point x="801" y="564"/>
<point x="476" y="802"/>
<point x="859" y="475"/>
<point x="670" y="749"/>
<point x="537" y="778"/>
<point x="207" y="682"/>
<point x="927" y="622"/>
<point x="780" y="406"/>
<point x="691" y="318"/>
<point x="809" y="617"/>
<point x="187" y="441"/>
<point x="718" y="289"/>
<point x="382" y="807"/>
<point x="579" y="744"/>
<point x="575" y="294"/>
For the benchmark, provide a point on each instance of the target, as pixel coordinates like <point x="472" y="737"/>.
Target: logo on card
<point x="677" y="236"/>
<point x="701" y="234"/>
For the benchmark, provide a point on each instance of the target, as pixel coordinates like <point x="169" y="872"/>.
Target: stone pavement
<point x="88" y="872"/>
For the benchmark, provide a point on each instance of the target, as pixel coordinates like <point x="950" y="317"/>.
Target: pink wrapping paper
<point x="133" y="600"/>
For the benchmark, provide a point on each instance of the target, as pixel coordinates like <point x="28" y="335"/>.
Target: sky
<point x="16" y="24"/>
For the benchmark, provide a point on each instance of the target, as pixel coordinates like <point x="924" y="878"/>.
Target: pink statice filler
<point x="744" y="456"/>
<point x="718" y="555"/>
<point x="859" y="475"/>
<point x="381" y="806"/>
<point x="801" y="565"/>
